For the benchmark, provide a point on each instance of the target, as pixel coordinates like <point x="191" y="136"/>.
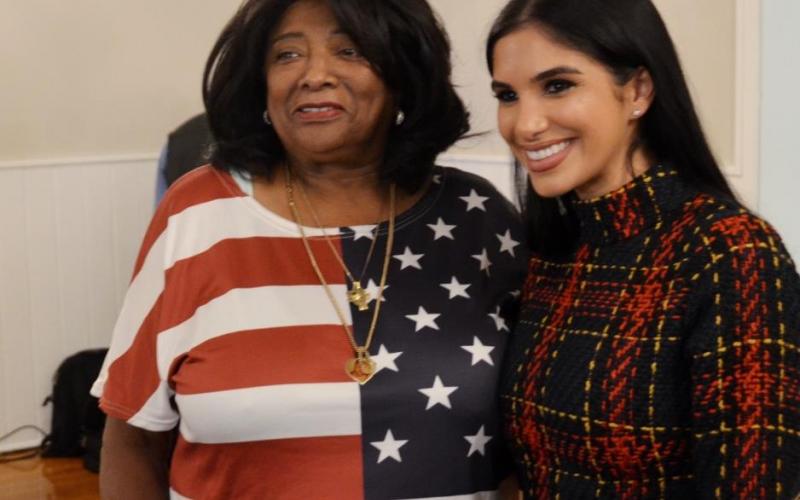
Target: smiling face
<point x="565" y="117"/>
<point x="324" y="99"/>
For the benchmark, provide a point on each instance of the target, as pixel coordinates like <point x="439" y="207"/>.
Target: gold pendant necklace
<point x="357" y="295"/>
<point x="360" y="367"/>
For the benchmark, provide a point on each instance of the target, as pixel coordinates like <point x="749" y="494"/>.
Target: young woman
<point x="657" y="350"/>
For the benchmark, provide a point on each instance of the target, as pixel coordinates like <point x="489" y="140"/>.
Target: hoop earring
<point x="265" y="116"/>
<point x="400" y="118"/>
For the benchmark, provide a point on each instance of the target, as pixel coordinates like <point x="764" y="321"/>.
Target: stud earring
<point x="400" y="118"/>
<point x="637" y="113"/>
<point x="265" y="116"/>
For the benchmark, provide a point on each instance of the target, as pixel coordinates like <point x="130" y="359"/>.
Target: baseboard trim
<point x="27" y="444"/>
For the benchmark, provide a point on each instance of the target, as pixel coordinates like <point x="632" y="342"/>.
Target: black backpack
<point x="77" y="423"/>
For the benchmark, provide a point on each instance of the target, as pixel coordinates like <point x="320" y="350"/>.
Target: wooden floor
<point x="50" y="478"/>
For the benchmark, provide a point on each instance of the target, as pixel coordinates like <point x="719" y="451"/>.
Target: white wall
<point x="485" y="154"/>
<point x="109" y="77"/>
<point x="710" y="67"/>
<point x="100" y="77"/>
<point x="780" y="79"/>
<point x="468" y="27"/>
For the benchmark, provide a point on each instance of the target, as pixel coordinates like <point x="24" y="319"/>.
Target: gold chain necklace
<point x="356" y="294"/>
<point x="361" y="367"/>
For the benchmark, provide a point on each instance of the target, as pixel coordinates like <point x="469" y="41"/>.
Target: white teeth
<point x="315" y="110"/>
<point x="541" y="154"/>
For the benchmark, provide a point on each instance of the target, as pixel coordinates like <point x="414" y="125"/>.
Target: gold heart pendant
<point x="360" y="369"/>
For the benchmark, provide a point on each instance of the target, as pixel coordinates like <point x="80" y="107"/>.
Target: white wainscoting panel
<point x="69" y="234"/>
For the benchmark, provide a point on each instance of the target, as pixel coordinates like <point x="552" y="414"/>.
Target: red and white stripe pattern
<point x="224" y="320"/>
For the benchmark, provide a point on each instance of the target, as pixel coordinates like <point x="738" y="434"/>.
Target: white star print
<point x="423" y="318"/>
<point x="483" y="258"/>
<point x="363" y="232"/>
<point x="479" y="352"/>
<point x="507" y="244"/>
<point x="442" y="230"/>
<point x="409" y="259"/>
<point x="474" y="200"/>
<point x="372" y="289"/>
<point x="438" y="394"/>
<point x="499" y="321"/>
<point x="516" y="294"/>
<point x="477" y="443"/>
<point x="456" y="289"/>
<point x="385" y="359"/>
<point x="389" y="447"/>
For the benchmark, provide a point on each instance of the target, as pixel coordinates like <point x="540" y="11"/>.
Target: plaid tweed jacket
<point x="662" y="359"/>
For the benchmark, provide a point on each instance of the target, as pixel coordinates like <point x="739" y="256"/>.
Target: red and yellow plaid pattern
<point x="662" y="358"/>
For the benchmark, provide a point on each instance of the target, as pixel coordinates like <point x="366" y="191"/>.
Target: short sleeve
<point x="132" y="383"/>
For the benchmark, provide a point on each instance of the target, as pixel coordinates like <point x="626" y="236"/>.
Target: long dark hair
<point x="402" y="40"/>
<point x="623" y="35"/>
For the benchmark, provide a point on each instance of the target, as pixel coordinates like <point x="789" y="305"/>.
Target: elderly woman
<point x="320" y="313"/>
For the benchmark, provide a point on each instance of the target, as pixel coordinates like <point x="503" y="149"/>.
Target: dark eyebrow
<point x="286" y="36"/>
<point x="559" y="70"/>
<point x="497" y="85"/>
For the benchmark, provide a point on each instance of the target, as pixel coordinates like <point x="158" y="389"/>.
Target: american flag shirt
<point x="227" y="335"/>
